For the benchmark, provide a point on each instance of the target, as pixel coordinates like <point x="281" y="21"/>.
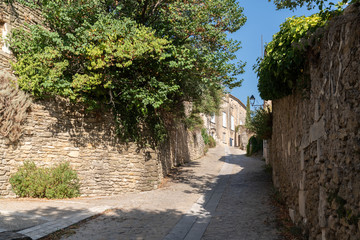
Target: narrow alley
<point x="222" y="195"/>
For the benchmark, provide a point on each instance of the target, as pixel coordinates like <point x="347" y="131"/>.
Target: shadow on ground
<point x="243" y="209"/>
<point x="120" y="224"/>
<point x="186" y="175"/>
<point x="19" y="220"/>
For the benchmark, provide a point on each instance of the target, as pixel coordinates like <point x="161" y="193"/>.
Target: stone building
<point x="228" y="125"/>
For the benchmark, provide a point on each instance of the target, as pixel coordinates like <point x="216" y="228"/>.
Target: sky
<point x="262" y="19"/>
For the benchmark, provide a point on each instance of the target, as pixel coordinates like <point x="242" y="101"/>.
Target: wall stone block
<point x="57" y="132"/>
<point x="315" y="146"/>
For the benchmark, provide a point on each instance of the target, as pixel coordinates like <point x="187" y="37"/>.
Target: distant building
<point x="228" y="125"/>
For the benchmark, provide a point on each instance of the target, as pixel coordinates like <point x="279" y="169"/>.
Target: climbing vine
<point x="323" y="5"/>
<point x="283" y="67"/>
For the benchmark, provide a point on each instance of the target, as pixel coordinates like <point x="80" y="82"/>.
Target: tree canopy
<point x="141" y="58"/>
<point x="310" y="4"/>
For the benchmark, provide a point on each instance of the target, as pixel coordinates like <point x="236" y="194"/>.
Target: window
<point x="232" y="123"/>
<point x="4" y="32"/>
<point x="212" y="118"/>
<point x="224" y="119"/>
<point x="241" y="122"/>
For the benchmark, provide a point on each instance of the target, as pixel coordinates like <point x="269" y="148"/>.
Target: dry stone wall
<point x="315" y="147"/>
<point x="55" y="132"/>
<point x="12" y="16"/>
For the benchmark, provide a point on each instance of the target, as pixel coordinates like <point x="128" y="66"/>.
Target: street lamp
<point x="252" y="101"/>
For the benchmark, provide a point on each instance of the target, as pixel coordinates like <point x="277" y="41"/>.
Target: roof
<point x="238" y="100"/>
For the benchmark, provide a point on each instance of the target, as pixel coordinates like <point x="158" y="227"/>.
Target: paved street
<point x="222" y="195"/>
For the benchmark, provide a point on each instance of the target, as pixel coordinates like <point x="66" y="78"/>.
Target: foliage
<point x="212" y="142"/>
<point x="254" y="145"/>
<point x="141" y="59"/>
<point x="209" y="104"/>
<point x="282" y="70"/>
<point x="261" y="123"/>
<point x="57" y="182"/>
<point x="248" y="113"/>
<point x="208" y="140"/>
<point x="14" y="105"/>
<point x="237" y="128"/>
<point x="310" y="4"/>
<point x="193" y="122"/>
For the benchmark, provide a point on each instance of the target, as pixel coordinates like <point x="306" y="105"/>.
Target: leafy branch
<point x="141" y="59"/>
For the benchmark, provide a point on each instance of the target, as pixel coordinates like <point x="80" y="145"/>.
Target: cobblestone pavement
<point x="244" y="211"/>
<point x="221" y="196"/>
<point x="151" y="215"/>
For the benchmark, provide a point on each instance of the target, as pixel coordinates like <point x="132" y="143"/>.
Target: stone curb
<point x="47" y="228"/>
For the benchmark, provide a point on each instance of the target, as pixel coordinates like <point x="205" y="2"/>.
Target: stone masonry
<point x="56" y="131"/>
<point x="13" y="16"/>
<point x="315" y="146"/>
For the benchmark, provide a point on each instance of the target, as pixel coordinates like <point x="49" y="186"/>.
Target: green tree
<point x="310" y="4"/>
<point x="248" y="113"/>
<point x="140" y="58"/>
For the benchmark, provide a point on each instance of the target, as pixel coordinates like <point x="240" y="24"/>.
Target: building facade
<point x="227" y="126"/>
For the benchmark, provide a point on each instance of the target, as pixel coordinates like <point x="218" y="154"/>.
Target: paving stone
<point x="13" y="236"/>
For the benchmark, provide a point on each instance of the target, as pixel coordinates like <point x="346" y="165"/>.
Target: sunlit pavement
<point x="223" y="194"/>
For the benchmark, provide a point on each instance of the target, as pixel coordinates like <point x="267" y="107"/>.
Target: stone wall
<point x="12" y="16"/>
<point x="182" y="147"/>
<point x="56" y="132"/>
<point x="315" y="147"/>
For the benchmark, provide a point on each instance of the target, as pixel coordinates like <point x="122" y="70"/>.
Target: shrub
<point x="56" y="182"/>
<point x="208" y="140"/>
<point x="261" y="123"/>
<point x="212" y="142"/>
<point x="255" y="144"/>
<point x="205" y="136"/>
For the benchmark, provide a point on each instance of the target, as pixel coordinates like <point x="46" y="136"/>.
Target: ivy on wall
<point x="283" y="68"/>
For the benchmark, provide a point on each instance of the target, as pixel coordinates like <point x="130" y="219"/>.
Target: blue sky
<point x="262" y="19"/>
